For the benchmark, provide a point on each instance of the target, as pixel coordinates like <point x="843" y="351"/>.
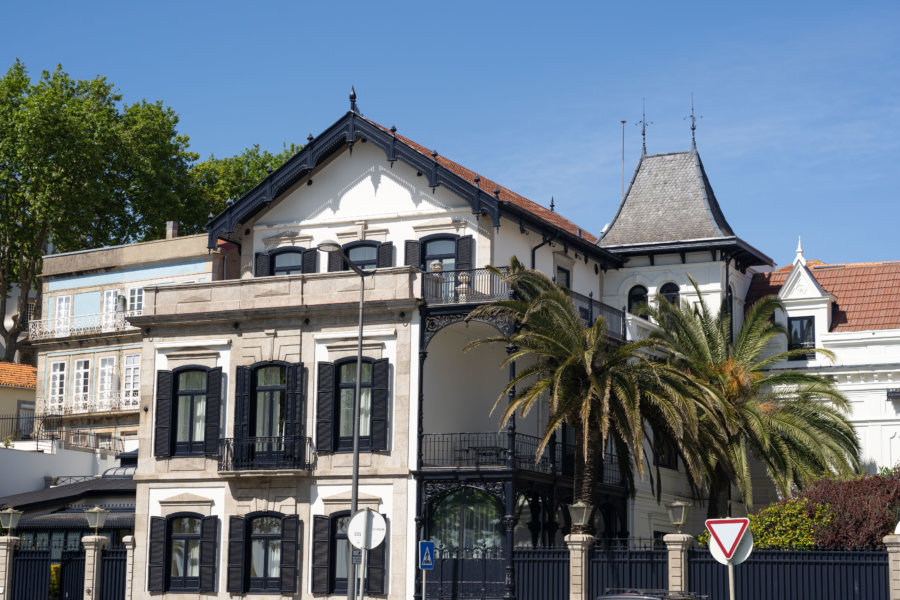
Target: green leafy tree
<point x="793" y="422"/>
<point x="792" y="524"/>
<point x="607" y="390"/>
<point x="78" y="169"/>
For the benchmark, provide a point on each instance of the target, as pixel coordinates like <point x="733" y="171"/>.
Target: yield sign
<point x="727" y="533"/>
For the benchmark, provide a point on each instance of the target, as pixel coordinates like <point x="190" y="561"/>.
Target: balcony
<point x="242" y="455"/>
<point x="81" y="325"/>
<point x="76" y="404"/>
<point x="464" y="287"/>
<point x="590" y="309"/>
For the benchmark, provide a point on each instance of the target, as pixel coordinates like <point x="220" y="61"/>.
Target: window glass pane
<point x="345" y="417"/>
<point x="267" y="525"/>
<point x="270" y="376"/>
<point x="363" y="254"/>
<point x="192" y="380"/>
<point x="341" y="552"/>
<point x="437" y="247"/>
<point x="183" y="419"/>
<point x="257" y="558"/>
<point x="274" y="558"/>
<point x="177" y="562"/>
<point x="193" y="566"/>
<point x="199" y="418"/>
<point x="365" y="411"/>
<point x="348" y="372"/>
<point x="186" y="525"/>
<point x="286" y="260"/>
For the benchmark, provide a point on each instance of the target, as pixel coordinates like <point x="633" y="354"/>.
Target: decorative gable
<point x="801" y="285"/>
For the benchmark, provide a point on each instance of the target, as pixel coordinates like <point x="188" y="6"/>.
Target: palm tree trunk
<point x="585" y="477"/>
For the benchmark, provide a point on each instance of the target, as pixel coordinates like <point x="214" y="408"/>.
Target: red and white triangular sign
<point x="727" y="533"/>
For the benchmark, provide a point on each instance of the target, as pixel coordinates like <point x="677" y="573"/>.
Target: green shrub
<point x="789" y="524"/>
<point x="55" y="588"/>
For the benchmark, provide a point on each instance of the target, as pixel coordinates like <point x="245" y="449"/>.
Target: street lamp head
<point x="678" y="513"/>
<point x="96" y="517"/>
<point x="9" y="519"/>
<point x="329" y="246"/>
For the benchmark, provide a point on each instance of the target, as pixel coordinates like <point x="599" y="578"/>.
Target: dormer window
<point x="802" y="335"/>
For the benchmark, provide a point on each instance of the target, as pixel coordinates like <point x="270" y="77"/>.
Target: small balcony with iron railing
<point x="98" y="402"/>
<point x="246" y="456"/>
<point x="70" y="326"/>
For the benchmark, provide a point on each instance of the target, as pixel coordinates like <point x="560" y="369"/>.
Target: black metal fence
<point x="114" y="562"/>
<point x="265" y="453"/>
<point x="541" y="573"/>
<point x="31" y="575"/>
<point x="590" y="309"/>
<point x="627" y="563"/>
<point x="463" y="287"/>
<point x="794" y="575"/>
<point x="464" y="573"/>
<point x="71" y="575"/>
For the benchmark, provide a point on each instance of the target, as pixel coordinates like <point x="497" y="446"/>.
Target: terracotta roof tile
<point x="19" y="376"/>
<point x="867" y="295"/>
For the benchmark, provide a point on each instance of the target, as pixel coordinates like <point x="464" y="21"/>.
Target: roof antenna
<point x="643" y="123"/>
<point x="623" y="159"/>
<point x="693" y="119"/>
<point x="552" y="205"/>
<point x="353" y="100"/>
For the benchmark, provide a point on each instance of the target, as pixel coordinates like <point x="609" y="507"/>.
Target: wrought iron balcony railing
<point x="81" y="325"/>
<point x="590" y="309"/>
<point x="76" y="404"/>
<point x="266" y="454"/>
<point x="464" y="286"/>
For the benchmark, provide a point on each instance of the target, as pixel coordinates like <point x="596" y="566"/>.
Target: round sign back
<point x="366" y="530"/>
<point x="740" y="554"/>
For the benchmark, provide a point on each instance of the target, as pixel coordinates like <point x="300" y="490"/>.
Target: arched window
<point x="440" y="249"/>
<point x="637" y="296"/>
<point x="340" y="551"/>
<point x="286" y="261"/>
<point x="465" y="520"/>
<point x="190" y="411"/>
<point x="265" y="553"/>
<point x="670" y="292"/>
<point x="363" y="254"/>
<point x="184" y="553"/>
<point x="267" y="413"/>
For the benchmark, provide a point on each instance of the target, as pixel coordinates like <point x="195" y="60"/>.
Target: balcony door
<point x="110" y="303"/>
<point x="63" y="310"/>
<point x="267" y="412"/>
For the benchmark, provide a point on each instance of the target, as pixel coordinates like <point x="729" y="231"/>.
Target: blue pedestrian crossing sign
<point x="426" y="555"/>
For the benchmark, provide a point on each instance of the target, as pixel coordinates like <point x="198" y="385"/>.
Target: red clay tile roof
<point x="506" y="195"/>
<point x="867" y="295"/>
<point x="19" y="376"/>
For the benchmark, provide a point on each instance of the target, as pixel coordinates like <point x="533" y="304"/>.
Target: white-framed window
<point x="135" y="301"/>
<point x="82" y="384"/>
<point x="62" y="314"/>
<point x="132" y="380"/>
<point x="106" y="381"/>
<point x="110" y="303"/>
<point x="57" y="382"/>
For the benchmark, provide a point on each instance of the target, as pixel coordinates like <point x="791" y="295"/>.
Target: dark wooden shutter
<point x="413" y="253"/>
<point x="325" y="408"/>
<point x="385" y="255"/>
<point x="309" y="260"/>
<point x="213" y="411"/>
<point x="294" y="445"/>
<point x="242" y="402"/>
<point x="464" y="253"/>
<point x="335" y="262"/>
<point x="237" y="542"/>
<point x="208" y="545"/>
<point x="163" y="425"/>
<point x="320" y="555"/>
<point x="375" y="567"/>
<point x="380" y="404"/>
<point x="262" y="264"/>
<point x="290" y="526"/>
<point x="156" y="555"/>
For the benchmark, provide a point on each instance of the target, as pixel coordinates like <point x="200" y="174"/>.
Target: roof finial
<point x="552" y="204"/>
<point x="693" y="119"/>
<point x="353" y="99"/>
<point x="799" y="258"/>
<point x="643" y="123"/>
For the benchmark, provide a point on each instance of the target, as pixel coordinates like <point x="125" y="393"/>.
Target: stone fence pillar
<point x="677" y="545"/>
<point x="579" y="565"/>
<point x="128" y="542"/>
<point x="93" y="549"/>
<point x="8" y="545"/>
<point x="892" y="545"/>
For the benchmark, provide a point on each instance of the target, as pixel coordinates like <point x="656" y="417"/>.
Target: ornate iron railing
<point x="590" y="309"/>
<point x="74" y="404"/>
<point x="464" y="286"/>
<point x="265" y="453"/>
<point x="81" y="325"/>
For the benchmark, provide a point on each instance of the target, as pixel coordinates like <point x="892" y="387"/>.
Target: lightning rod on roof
<point x="693" y="119"/>
<point x="353" y="107"/>
<point x="643" y="123"/>
<point x="623" y="159"/>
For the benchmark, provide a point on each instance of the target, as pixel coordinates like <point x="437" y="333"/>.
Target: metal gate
<point x="113" y="562"/>
<point x="459" y="573"/>
<point x="627" y="563"/>
<point x="31" y="575"/>
<point x="71" y="575"/>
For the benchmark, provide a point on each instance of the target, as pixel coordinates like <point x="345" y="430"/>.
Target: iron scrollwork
<point x="434" y="323"/>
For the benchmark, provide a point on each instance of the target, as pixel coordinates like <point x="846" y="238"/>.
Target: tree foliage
<point x="792" y="524"/>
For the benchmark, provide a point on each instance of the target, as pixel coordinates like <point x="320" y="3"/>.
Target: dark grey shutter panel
<point x="309" y="260"/>
<point x="335" y="262"/>
<point x="413" y="253"/>
<point x="213" y="410"/>
<point x="385" y="255"/>
<point x="375" y="567"/>
<point x="320" y="555"/>
<point x="156" y="555"/>
<point x="294" y="445"/>
<point x="262" y="264"/>
<point x="208" y="545"/>
<point x="163" y="443"/>
<point x="325" y="408"/>
<point x="380" y="404"/>
<point x="464" y="253"/>
<point x="290" y="527"/>
<point x="242" y="402"/>
<point x="236" y="544"/>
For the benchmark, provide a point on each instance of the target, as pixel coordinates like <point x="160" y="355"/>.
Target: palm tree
<point x="793" y="422"/>
<point x="607" y="391"/>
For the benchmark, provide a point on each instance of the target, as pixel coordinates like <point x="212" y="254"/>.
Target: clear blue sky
<point x="800" y="101"/>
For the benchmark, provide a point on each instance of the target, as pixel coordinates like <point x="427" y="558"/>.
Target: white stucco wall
<point x="24" y="470"/>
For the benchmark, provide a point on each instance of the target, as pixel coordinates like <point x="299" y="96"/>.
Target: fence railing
<point x="627" y="563"/>
<point x="81" y="324"/>
<point x="464" y="286"/>
<point x="541" y="573"/>
<point x="590" y="309"/>
<point x="265" y="453"/>
<point x="474" y="572"/>
<point x="113" y="572"/>
<point x="75" y="404"/>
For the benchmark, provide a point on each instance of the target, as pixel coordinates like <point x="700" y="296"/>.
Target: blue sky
<point x="800" y="101"/>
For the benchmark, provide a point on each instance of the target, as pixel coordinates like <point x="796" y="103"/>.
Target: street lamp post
<point x="332" y="246"/>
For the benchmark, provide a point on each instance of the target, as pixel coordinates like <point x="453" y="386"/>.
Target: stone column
<point x="93" y="547"/>
<point x="892" y="545"/>
<point x="677" y="545"/>
<point x="579" y="548"/>
<point x="128" y="542"/>
<point x="8" y="545"/>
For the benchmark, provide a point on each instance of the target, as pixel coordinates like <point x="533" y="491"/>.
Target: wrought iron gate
<point x="112" y="574"/>
<point x="71" y="575"/>
<point x="31" y="575"/>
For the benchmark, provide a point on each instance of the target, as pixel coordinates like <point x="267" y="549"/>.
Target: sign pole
<point x="731" y="581"/>
<point x="423" y="584"/>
